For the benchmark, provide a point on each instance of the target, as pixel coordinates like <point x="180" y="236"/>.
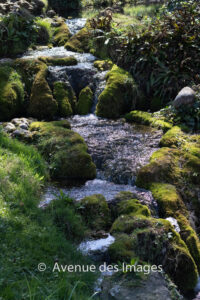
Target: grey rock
<point x="9" y="127"/>
<point x="154" y="287"/>
<point x="185" y="97"/>
<point x="24" y="126"/>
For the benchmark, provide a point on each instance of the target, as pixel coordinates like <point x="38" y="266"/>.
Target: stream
<point x="117" y="148"/>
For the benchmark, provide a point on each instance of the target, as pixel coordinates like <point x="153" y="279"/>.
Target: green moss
<point x="80" y="42"/>
<point x="190" y="237"/>
<point x="85" y="101"/>
<point x="174" y="137"/>
<point x="65" y="98"/>
<point x="119" y="95"/>
<point x="163" y="167"/>
<point x="146" y="118"/>
<point x="95" y="212"/>
<point x="61" y="35"/>
<point x="169" y="201"/>
<point x="28" y="68"/>
<point x="103" y="65"/>
<point x="155" y="241"/>
<point x="59" y="61"/>
<point x="121" y="250"/>
<point x="64" y="150"/>
<point x="11" y="93"/>
<point x="128" y="223"/>
<point x="133" y="207"/>
<point x="42" y="104"/>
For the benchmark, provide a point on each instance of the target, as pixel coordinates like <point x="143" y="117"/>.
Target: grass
<point x="30" y="235"/>
<point x="140" y="11"/>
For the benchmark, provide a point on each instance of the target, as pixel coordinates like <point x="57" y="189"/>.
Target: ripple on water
<point x="98" y="186"/>
<point x="119" y="149"/>
<point x="59" y="52"/>
<point x="75" y="24"/>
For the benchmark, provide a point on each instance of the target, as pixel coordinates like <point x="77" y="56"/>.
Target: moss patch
<point x="119" y="96"/>
<point x="95" y="212"/>
<point x="65" y="98"/>
<point x="64" y="150"/>
<point x="80" y="42"/>
<point x="85" y="101"/>
<point x="145" y="118"/>
<point x="103" y="65"/>
<point x="42" y="104"/>
<point x="59" y="61"/>
<point x="11" y="93"/>
<point x="61" y="35"/>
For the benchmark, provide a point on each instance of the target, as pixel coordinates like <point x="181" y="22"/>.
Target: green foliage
<point x="44" y="31"/>
<point x="29" y="235"/>
<point x="65" y="216"/>
<point x="95" y="212"/>
<point x="164" y="56"/>
<point x="16" y="34"/>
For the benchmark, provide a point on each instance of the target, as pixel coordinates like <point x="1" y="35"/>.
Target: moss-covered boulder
<point x="65" y="97"/>
<point x="85" y="101"/>
<point x="96" y="212"/>
<point x="145" y="118"/>
<point x="59" y="61"/>
<point x="80" y="42"/>
<point x="28" y="68"/>
<point x="154" y="241"/>
<point x="64" y="150"/>
<point x="119" y="96"/>
<point x="61" y="34"/>
<point x="11" y="93"/>
<point x="42" y="104"/>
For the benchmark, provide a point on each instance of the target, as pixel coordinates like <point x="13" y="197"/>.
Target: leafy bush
<point x="164" y="57"/>
<point x="16" y="34"/>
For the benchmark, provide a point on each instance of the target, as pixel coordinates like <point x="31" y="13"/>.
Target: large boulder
<point x="64" y="150"/>
<point x="185" y="97"/>
<point x="153" y="287"/>
<point x="42" y="104"/>
<point x="119" y="96"/>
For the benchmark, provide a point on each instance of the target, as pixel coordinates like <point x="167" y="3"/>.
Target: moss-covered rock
<point x="169" y="201"/>
<point x="11" y="93"/>
<point x="64" y="150"/>
<point x="155" y="241"/>
<point x="42" y="104"/>
<point x="61" y="35"/>
<point x="80" y="42"/>
<point x="59" y="61"/>
<point x="145" y="118"/>
<point x="28" y="68"/>
<point x="174" y="137"/>
<point x="85" y="101"/>
<point x="103" y="65"/>
<point x="95" y="211"/>
<point x="65" y="98"/>
<point x="119" y="95"/>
